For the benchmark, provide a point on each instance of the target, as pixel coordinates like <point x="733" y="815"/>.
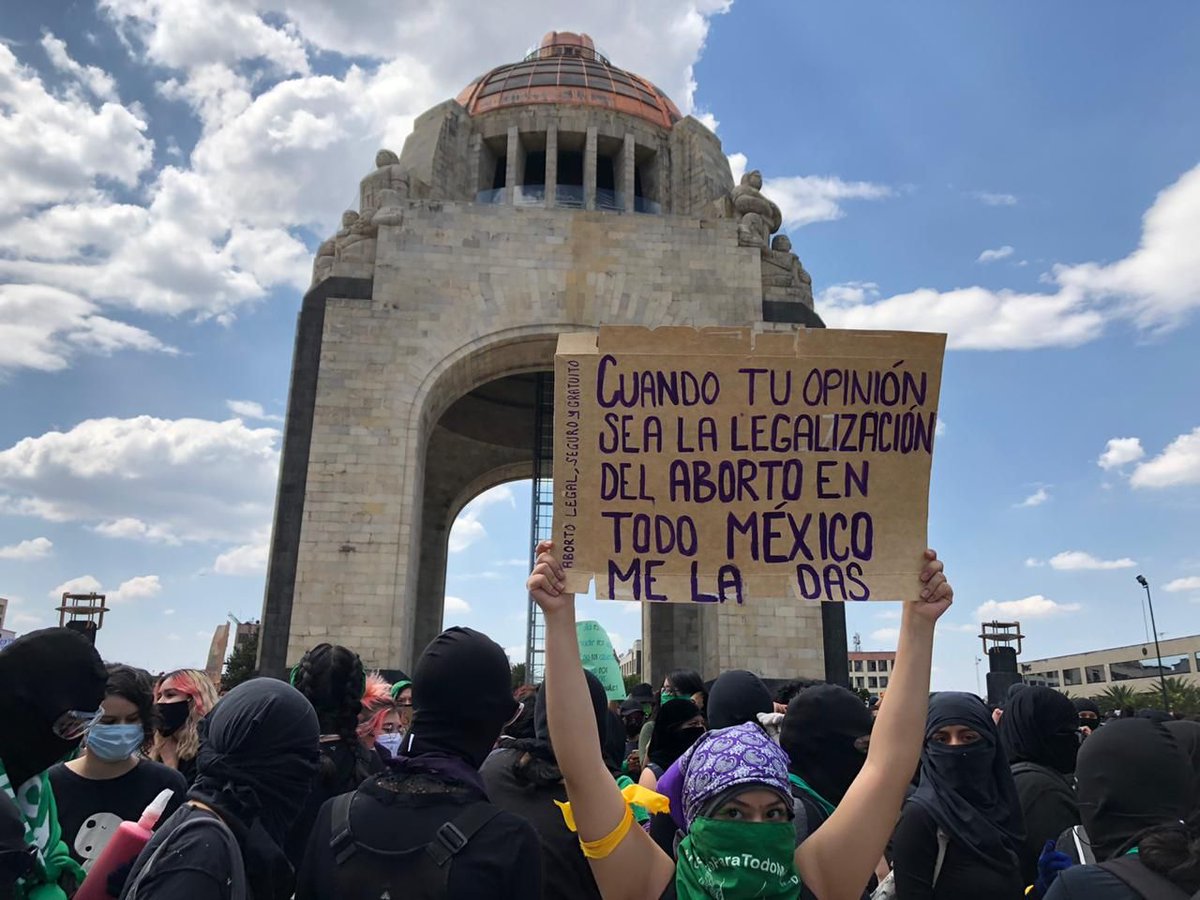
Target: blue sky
<point x="1023" y="176"/>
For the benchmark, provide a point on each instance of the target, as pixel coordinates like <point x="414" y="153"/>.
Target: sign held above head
<point x="718" y="465"/>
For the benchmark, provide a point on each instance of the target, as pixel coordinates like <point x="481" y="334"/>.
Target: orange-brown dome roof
<point x="566" y="68"/>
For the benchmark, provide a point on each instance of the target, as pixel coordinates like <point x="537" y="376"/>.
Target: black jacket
<point x="1048" y="806"/>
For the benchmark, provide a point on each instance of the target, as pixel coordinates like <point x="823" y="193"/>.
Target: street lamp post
<point x="1162" y="679"/>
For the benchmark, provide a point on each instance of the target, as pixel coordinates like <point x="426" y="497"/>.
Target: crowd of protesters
<point x="338" y="784"/>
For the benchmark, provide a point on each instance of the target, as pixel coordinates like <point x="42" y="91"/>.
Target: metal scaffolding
<point x="542" y="515"/>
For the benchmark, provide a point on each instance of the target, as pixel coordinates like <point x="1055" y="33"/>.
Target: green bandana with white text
<point x="731" y="860"/>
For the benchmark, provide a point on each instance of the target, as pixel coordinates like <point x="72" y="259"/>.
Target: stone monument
<point x="552" y="195"/>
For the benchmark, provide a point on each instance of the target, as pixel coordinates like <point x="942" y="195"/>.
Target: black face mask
<point x="172" y="716"/>
<point x="1062" y="749"/>
<point x="633" y="726"/>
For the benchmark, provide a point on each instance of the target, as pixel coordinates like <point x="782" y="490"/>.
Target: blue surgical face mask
<point x="390" y="743"/>
<point x="113" y="743"/>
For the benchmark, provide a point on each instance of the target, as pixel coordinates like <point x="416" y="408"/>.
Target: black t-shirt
<point x="565" y="870"/>
<point x="503" y="858"/>
<point x="915" y="850"/>
<point x="197" y="865"/>
<point x="90" y="810"/>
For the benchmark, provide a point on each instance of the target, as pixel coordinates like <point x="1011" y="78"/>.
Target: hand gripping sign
<point x="718" y="465"/>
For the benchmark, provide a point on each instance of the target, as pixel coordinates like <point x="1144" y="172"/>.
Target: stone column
<point x="515" y="165"/>
<point x="589" y="170"/>
<point x="628" y="177"/>
<point x="552" y="166"/>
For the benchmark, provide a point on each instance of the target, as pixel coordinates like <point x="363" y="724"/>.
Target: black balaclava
<point x="44" y="674"/>
<point x="541" y="721"/>
<point x="969" y="789"/>
<point x="461" y="697"/>
<point x="1013" y="690"/>
<point x="819" y="730"/>
<point x="1132" y="775"/>
<point x="1187" y="735"/>
<point x="258" y="755"/>
<point x="633" y="717"/>
<point x="613" y="739"/>
<point x="670" y="740"/>
<point x="1041" y="726"/>
<point x="737" y="697"/>
<point x="1087" y="705"/>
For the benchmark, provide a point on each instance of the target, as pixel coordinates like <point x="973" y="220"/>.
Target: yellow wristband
<point x="598" y="849"/>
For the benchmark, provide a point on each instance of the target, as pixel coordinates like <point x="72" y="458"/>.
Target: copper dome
<point x="566" y="68"/>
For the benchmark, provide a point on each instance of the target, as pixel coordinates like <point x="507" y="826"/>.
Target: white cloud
<point x="56" y="148"/>
<point x="1190" y="583"/>
<point x="248" y="409"/>
<point x="1178" y="464"/>
<point x="1154" y="286"/>
<point x="1037" y="498"/>
<point x="192" y="479"/>
<point x="247" y="559"/>
<point x="999" y="253"/>
<point x="1119" y="452"/>
<point x="940" y="428"/>
<point x="1077" y="560"/>
<point x="168" y="612"/>
<point x="141" y="587"/>
<point x="44" y="328"/>
<point x="467" y="528"/>
<point x="1033" y="562"/>
<point x="1034" y="607"/>
<point x="885" y="635"/>
<point x="37" y="548"/>
<point x="804" y="199"/>
<point x="988" y="198"/>
<point x="737" y="165"/>
<point x="83" y="584"/>
<point x="96" y="80"/>
<point x="130" y="528"/>
<point x="456" y="606"/>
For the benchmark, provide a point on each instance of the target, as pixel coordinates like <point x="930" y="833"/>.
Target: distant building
<point x="1135" y="666"/>
<point x="631" y="661"/>
<point x="3" y="610"/>
<point x="871" y="669"/>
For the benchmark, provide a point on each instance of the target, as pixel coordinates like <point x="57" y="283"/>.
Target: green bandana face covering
<point x="667" y="697"/>
<point x="732" y="860"/>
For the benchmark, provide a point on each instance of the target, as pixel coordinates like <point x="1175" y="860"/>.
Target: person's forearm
<point x="593" y="793"/>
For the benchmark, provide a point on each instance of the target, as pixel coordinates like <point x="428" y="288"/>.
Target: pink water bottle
<point x="122" y="848"/>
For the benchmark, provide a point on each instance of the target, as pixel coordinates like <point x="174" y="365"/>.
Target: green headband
<point x="398" y="687"/>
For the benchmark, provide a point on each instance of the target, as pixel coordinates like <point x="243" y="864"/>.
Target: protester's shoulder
<point x="195" y="862"/>
<point x="60" y="774"/>
<point x="1090" y="882"/>
<point x="160" y="774"/>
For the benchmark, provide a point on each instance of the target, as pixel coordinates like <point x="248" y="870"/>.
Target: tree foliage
<point x="518" y="675"/>
<point x="241" y="664"/>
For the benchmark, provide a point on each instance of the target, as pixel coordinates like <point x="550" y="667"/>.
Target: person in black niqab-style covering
<point x="736" y="697"/>
<point x="823" y="734"/>
<point x="1089" y="713"/>
<point x="1137" y="786"/>
<point x="525" y="780"/>
<point x="677" y="727"/>
<point x="256" y="765"/>
<point x="966" y="792"/>
<point x="461" y="700"/>
<point x="1040" y="731"/>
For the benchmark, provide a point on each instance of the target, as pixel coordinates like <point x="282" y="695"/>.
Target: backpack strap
<point x="341" y="837"/>
<point x="452" y="837"/>
<point x="1148" y="884"/>
<point x="237" y="868"/>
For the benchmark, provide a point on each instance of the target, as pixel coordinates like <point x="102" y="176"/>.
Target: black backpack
<point x="363" y="872"/>
<point x="1146" y="883"/>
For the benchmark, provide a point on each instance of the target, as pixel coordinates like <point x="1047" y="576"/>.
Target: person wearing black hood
<point x="524" y="779"/>
<point x="426" y="823"/>
<point x="678" y="726"/>
<point x="333" y="680"/>
<point x="256" y="765"/>
<point x="1089" y="714"/>
<point x="961" y="831"/>
<point x="1137" y="793"/>
<point x="680" y="684"/>
<point x="53" y="685"/>
<point x="737" y="696"/>
<point x="1040" y="731"/>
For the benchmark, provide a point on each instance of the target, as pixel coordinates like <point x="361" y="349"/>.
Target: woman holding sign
<point x="736" y="799"/>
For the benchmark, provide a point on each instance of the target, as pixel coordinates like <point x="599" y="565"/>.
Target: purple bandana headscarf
<point x="720" y="760"/>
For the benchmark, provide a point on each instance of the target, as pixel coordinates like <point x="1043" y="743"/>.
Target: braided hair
<point x="332" y="679"/>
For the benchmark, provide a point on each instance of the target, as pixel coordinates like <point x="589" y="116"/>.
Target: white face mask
<point x="390" y="743"/>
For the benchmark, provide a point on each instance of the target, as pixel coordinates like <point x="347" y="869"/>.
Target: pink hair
<point x="376" y="704"/>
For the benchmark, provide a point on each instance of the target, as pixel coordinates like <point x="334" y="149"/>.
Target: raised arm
<point x="636" y="869"/>
<point x="837" y="861"/>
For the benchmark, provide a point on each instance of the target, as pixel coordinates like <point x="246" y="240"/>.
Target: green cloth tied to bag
<point x="35" y="801"/>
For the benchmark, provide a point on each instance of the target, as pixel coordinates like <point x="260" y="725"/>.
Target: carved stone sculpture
<point x="387" y="177"/>
<point x="784" y="277"/>
<point x="758" y="218"/>
<point x="355" y="242"/>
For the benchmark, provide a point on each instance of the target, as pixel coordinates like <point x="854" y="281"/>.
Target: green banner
<point x="596" y="651"/>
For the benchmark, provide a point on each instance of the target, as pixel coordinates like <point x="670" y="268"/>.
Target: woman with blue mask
<point x="111" y="781"/>
<point x="740" y="840"/>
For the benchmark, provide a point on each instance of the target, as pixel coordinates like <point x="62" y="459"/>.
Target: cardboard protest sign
<point x="596" y="652"/>
<point x="722" y="464"/>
